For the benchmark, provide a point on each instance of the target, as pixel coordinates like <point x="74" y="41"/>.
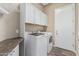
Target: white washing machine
<point x="36" y="45"/>
<point x="49" y="36"/>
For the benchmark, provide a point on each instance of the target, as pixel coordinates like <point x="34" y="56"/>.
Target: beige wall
<point x="8" y="25"/>
<point x="55" y="5"/>
<point x="50" y="12"/>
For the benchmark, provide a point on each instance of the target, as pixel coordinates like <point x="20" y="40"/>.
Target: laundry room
<point x="39" y="29"/>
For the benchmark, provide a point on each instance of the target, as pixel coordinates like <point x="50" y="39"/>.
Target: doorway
<point x="65" y="27"/>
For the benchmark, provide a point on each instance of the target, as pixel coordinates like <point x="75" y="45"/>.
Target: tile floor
<point x="60" y="52"/>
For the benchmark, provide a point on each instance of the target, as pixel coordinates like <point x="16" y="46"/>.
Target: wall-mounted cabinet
<point x="37" y="16"/>
<point x="33" y="15"/>
<point x="43" y="19"/>
<point x="25" y="12"/>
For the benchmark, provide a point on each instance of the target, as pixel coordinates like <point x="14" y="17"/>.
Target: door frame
<point x="76" y="24"/>
<point x="76" y="28"/>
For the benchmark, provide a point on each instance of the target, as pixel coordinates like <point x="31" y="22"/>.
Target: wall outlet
<point x="17" y="31"/>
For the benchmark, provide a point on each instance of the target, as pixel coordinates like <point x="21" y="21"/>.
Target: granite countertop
<point x="6" y="46"/>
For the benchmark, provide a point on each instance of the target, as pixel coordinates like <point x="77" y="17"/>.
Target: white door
<point x="65" y="27"/>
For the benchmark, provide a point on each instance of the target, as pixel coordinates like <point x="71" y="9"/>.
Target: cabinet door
<point x="42" y="19"/>
<point x="15" y="51"/>
<point x="37" y="16"/>
<point x="23" y="12"/>
<point x="45" y="20"/>
<point x="31" y="14"/>
<point x="26" y="13"/>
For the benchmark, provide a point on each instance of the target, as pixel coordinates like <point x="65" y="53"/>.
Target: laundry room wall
<point x="9" y="23"/>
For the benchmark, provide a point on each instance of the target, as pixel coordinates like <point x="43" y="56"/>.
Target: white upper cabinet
<point x="37" y="16"/>
<point x="26" y="12"/>
<point x="43" y="19"/>
<point x="24" y="9"/>
<point x="33" y="15"/>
